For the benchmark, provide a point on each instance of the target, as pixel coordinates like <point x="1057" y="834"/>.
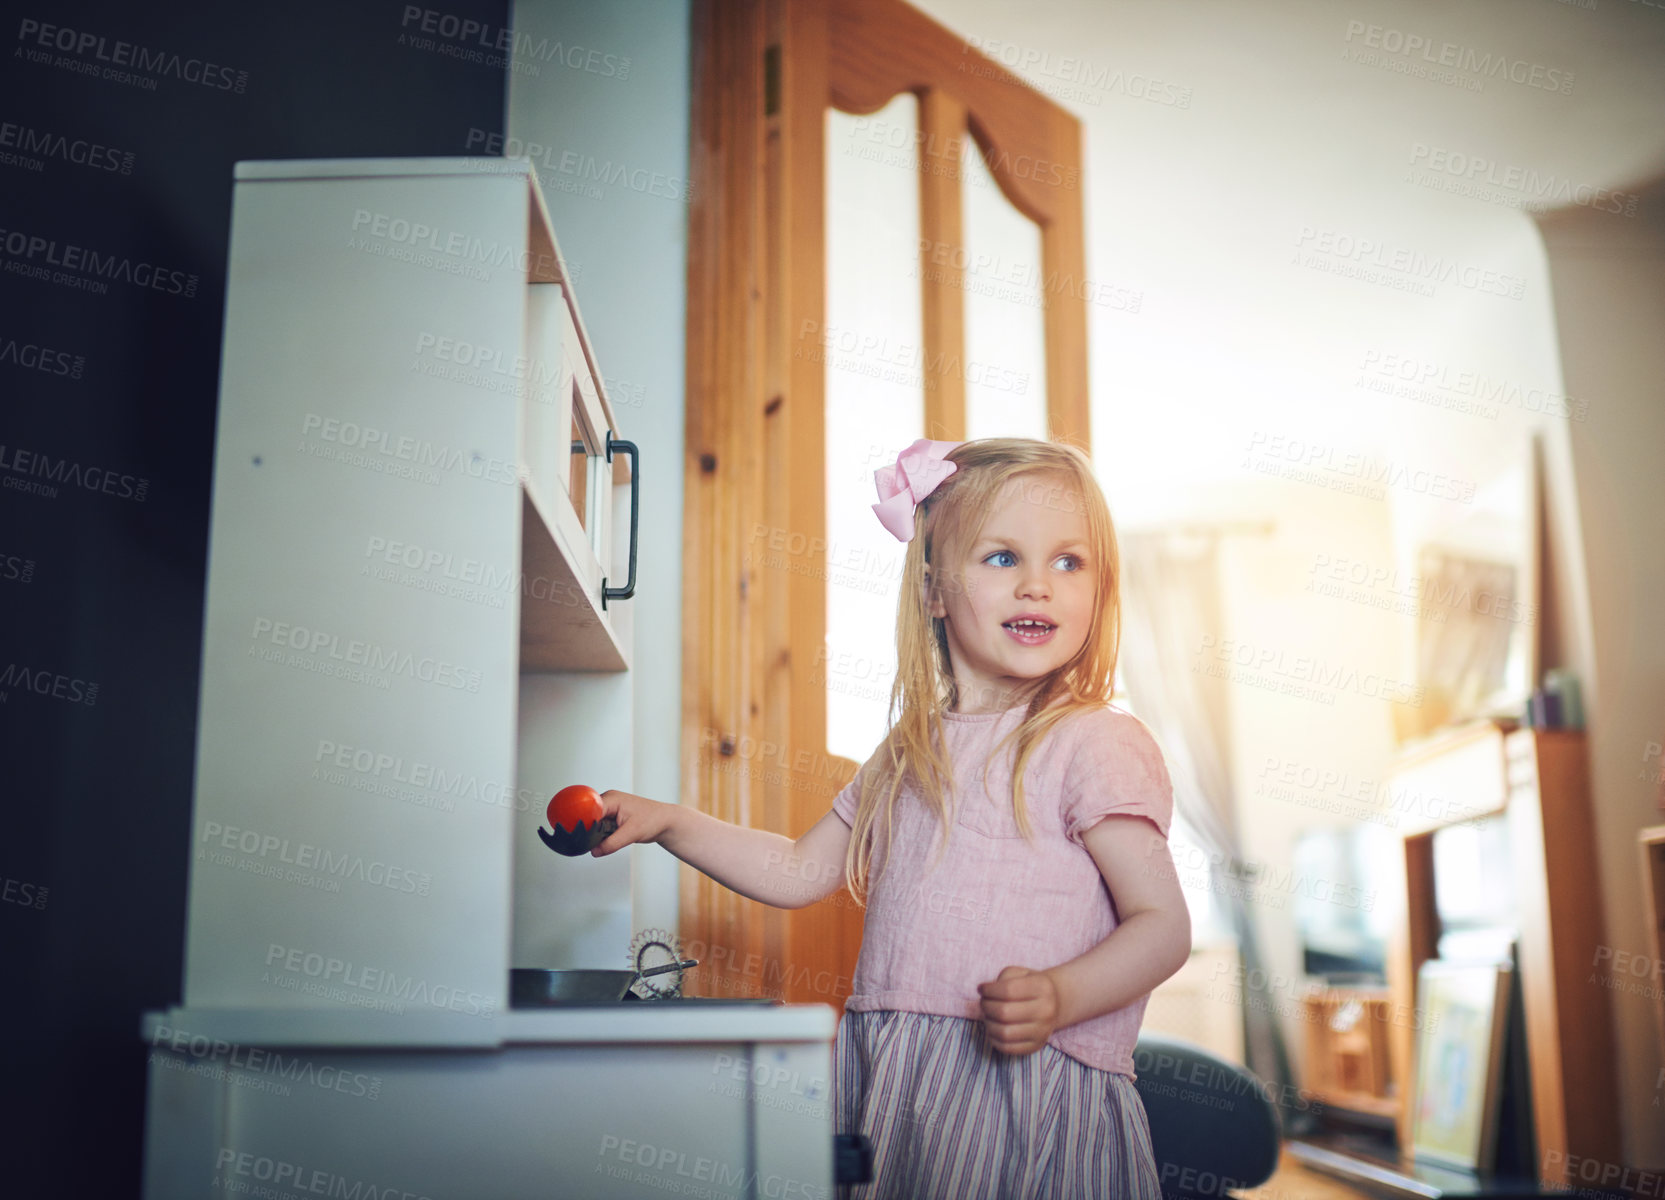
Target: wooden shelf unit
<point x="1538" y="780"/>
<point x="1651" y="842"/>
<point x="1349" y="1064"/>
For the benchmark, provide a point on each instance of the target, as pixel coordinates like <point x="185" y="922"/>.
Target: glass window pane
<point x="1005" y="356"/>
<point x="875" y="402"/>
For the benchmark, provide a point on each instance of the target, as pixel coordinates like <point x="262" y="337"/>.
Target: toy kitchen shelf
<point x="417" y="629"/>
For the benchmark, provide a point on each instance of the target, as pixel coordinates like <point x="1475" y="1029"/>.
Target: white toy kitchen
<point x="418" y="626"/>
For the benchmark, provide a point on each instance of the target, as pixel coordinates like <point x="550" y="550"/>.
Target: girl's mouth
<point x="1029" y="632"/>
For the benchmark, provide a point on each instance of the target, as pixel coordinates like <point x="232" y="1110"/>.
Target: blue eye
<point x="1003" y="554"/>
<point x="1078" y="563"/>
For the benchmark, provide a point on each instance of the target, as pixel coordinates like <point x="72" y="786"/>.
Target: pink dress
<point x="947" y="1114"/>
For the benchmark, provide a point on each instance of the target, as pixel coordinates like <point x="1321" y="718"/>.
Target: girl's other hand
<point x="639" y="820"/>
<point x="1020" y="1009"/>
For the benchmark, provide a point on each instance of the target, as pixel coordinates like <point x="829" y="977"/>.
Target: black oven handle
<point x="629" y="588"/>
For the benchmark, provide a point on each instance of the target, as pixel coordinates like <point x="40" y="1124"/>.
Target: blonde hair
<point x="947" y="524"/>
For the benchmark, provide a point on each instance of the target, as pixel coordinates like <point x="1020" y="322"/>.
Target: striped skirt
<point x="950" y="1117"/>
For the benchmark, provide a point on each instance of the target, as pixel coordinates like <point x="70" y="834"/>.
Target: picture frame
<point x="1475" y="573"/>
<point x="1455" y="1101"/>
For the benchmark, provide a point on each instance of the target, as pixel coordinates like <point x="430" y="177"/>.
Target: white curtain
<point x="1170" y="602"/>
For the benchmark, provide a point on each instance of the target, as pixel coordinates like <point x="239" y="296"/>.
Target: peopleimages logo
<point x="467" y="34"/>
<point x="1523" y="187"/>
<point x="336" y="973"/>
<point x="247" y="1064"/>
<point x="306" y="856"/>
<point x="1385" y="370"/>
<point x="32" y="356"/>
<point x="488" y="367"/>
<point x="352" y="652"/>
<point x="400" y="237"/>
<point x="24" y="895"/>
<point x="20" y="464"/>
<point x="1368" y="256"/>
<point x="399" y="454"/>
<point x="99" y="49"/>
<point x="1248" y="663"/>
<point x="276" y="1173"/>
<point x="42" y="682"/>
<point x="1429" y="53"/>
<point x="1089" y="78"/>
<point x="582" y="169"/>
<point x="1349" y="471"/>
<point x="377" y="771"/>
<point x="42" y="143"/>
<point x="30" y="255"/>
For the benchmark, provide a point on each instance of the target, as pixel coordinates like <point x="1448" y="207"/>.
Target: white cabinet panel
<point x="391" y="548"/>
<point x="355" y="766"/>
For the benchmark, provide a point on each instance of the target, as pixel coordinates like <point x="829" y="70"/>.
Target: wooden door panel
<point x="765" y="73"/>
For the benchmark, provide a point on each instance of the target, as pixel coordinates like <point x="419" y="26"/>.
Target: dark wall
<point x="108" y="397"/>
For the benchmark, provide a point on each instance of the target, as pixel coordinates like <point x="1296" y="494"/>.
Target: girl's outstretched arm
<point x="1151" y="941"/>
<point x="758" y="864"/>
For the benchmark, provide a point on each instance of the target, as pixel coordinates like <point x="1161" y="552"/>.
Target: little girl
<point x="1010" y="838"/>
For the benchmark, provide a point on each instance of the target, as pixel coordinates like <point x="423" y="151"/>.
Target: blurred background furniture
<point x="1212" y="1126"/>
<point x="1517" y="799"/>
<point x="1652" y="843"/>
<point x="1348" y="1061"/>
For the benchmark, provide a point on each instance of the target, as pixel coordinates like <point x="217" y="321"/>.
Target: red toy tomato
<point x="575" y="806"/>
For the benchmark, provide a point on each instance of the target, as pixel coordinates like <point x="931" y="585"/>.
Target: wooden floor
<point x="1295" y="1182"/>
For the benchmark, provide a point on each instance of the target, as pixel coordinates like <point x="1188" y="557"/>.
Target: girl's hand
<point x="639" y="820"/>
<point x="1020" y="1009"/>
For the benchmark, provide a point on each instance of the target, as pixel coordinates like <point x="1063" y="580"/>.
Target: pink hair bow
<point x="918" y="471"/>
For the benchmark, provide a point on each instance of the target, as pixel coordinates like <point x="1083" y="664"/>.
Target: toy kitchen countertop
<point x="688" y="1019"/>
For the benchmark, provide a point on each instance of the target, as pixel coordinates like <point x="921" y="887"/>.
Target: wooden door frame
<point x="753" y="719"/>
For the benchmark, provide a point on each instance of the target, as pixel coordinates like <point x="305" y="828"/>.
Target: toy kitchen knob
<point x="577" y="816"/>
